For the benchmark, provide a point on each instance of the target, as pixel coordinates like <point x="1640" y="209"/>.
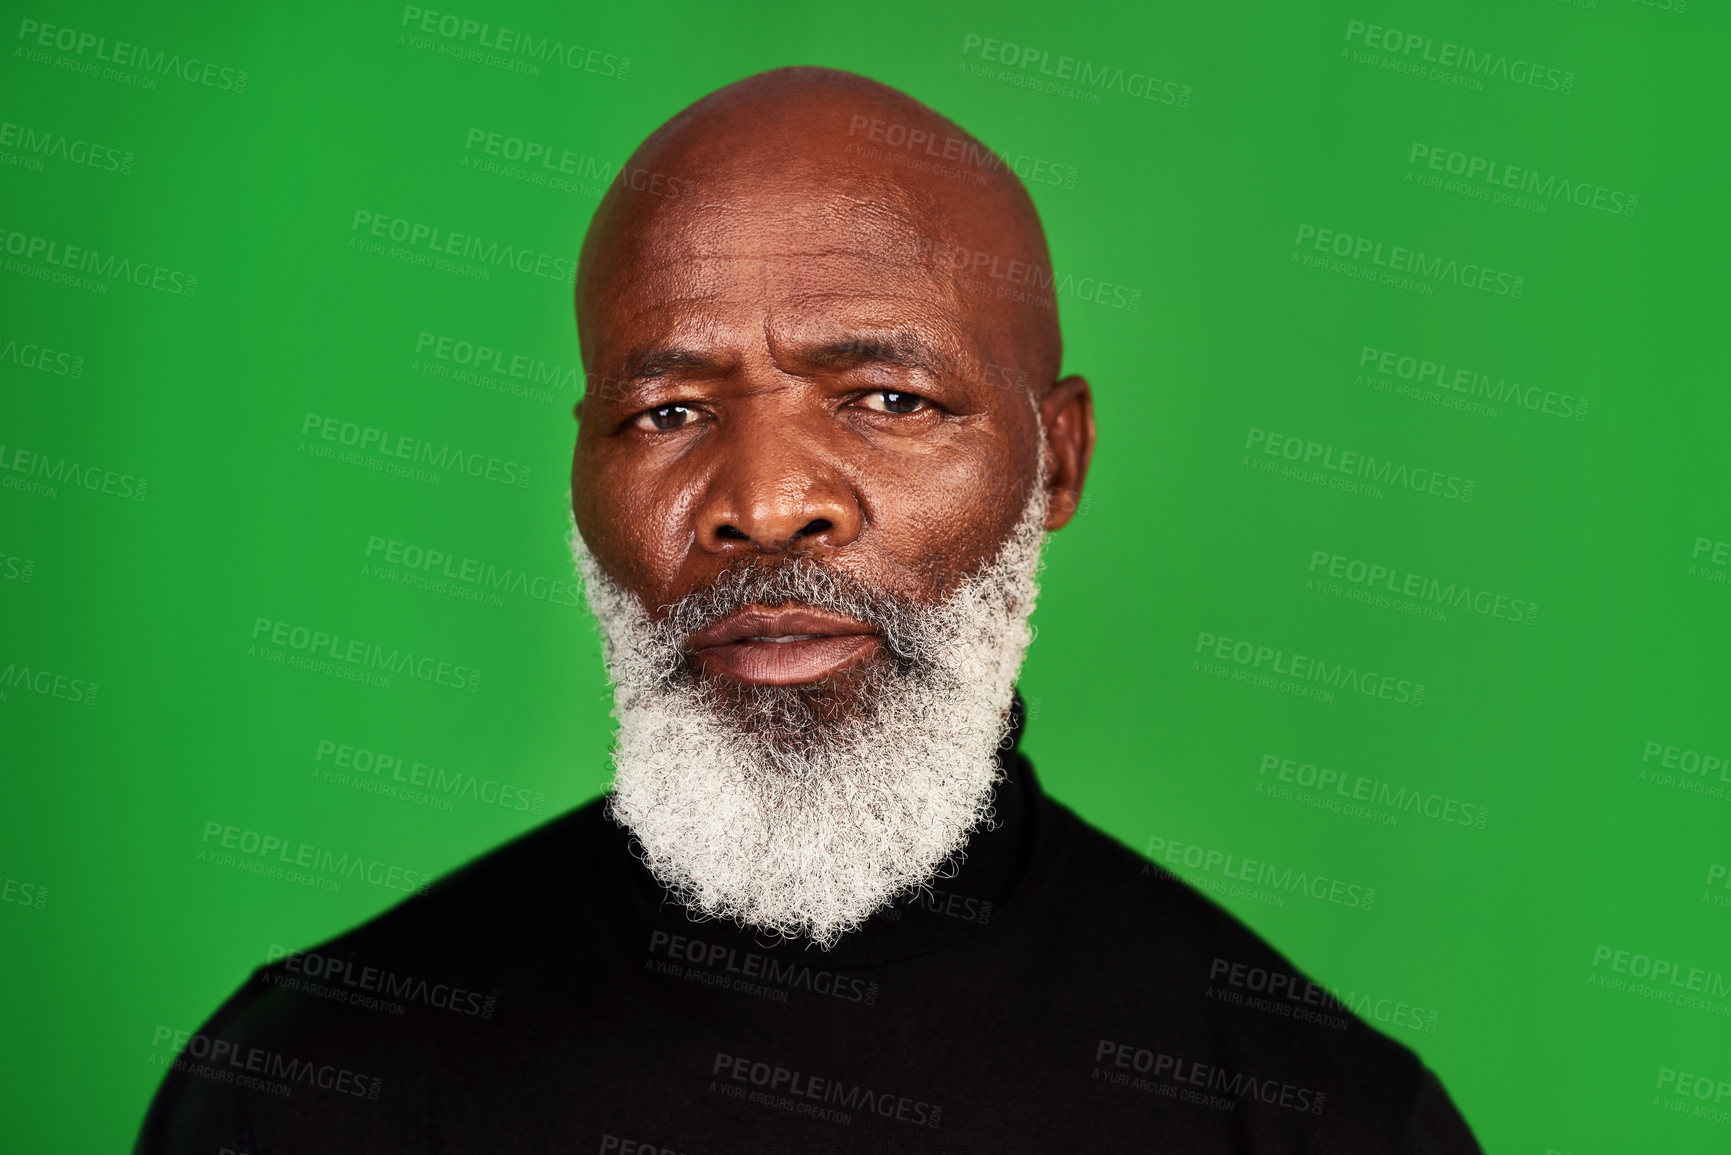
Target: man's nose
<point x="776" y="489"/>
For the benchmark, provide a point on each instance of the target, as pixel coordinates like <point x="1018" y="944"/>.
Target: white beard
<point x="750" y="804"/>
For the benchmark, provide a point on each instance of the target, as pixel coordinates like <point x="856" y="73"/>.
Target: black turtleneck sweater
<point x="1057" y="995"/>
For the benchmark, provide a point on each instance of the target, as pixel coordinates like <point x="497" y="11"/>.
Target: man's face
<point x="792" y="365"/>
<point x="808" y="493"/>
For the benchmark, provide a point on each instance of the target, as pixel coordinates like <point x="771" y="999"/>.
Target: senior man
<point x="825" y="905"/>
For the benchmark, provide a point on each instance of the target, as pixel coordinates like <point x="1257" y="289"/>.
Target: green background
<point x="1499" y="942"/>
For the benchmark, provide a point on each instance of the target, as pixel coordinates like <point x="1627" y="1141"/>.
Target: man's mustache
<point x="800" y="581"/>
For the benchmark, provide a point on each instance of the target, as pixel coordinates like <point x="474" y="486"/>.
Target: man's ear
<point x="1067" y="415"/>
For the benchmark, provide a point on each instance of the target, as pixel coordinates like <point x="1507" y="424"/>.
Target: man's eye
<point x="893" y="401"/>
<point x="664" y="418"/>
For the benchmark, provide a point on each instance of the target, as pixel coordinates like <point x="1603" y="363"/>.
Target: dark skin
<point x="785" y="358"/>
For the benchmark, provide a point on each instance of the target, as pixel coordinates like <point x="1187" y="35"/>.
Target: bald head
<point x="810" y="163"/>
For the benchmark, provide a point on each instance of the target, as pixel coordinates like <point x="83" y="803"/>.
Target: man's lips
<point x="782" y="647"/>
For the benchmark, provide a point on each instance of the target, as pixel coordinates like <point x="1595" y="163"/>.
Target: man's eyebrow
<point x="645" y="363"/>
<point x="900" y="348"/>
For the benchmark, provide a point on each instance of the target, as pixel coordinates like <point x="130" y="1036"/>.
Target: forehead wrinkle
<point x="840" y="345"/>
<point x="690" y="269"/>
<point x="782" y="227"/>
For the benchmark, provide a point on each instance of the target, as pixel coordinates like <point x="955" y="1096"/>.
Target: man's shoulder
<point x="493" y="906"/>
<point x="1194" y="997"/>
<point x="448" y="948"/>
<point x="378" y="1005"/>
<point x="1148" y="907"/>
